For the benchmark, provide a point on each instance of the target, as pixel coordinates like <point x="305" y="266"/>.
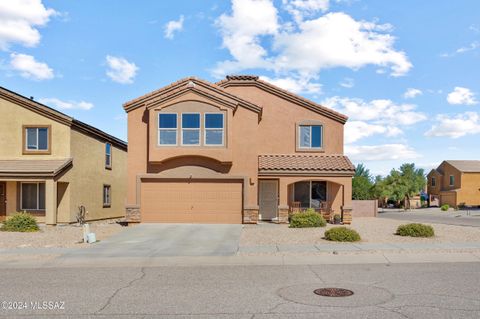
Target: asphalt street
<point x="380" y="291"/>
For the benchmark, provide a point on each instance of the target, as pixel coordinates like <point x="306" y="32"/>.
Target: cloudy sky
<point x="405" y="72"/>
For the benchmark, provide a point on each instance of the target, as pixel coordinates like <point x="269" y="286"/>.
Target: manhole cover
<point x="333" y="292"/>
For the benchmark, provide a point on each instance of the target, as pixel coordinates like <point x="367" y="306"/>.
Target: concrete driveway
<point x="159" y="240"/>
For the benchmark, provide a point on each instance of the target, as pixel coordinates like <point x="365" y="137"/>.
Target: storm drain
<point x="333" y="292"/>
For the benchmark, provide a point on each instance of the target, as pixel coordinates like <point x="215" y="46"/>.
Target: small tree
<point x="362" y="185"/>
<point x="404" y="183"/>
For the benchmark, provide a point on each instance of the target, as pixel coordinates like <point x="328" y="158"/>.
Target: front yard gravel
<point x="373" y="230"/>
<point x="61" y="236"/>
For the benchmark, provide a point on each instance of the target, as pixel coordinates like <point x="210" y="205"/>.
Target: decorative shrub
<point x="445" y="207"/>
<point x="20" y="222"/>
<point x="342" y="234"/>
<point x="415" y="230"/>
<point x="308" y="218"/>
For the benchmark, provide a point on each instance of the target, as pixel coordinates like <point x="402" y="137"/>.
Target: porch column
<point x="282" y="202"/>
<point x="50" y="202"/>
<point x="347" y="202"/>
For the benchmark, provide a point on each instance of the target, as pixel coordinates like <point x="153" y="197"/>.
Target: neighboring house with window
<point x="235" y="151"/>
<point x="455" y="183"/>
<point x="50" y="164"/>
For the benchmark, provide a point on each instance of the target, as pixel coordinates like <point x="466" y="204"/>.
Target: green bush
<point x="308" y="218"/>
<point x="445" y="207"/>
<point x="342" y="234"/>
<point x="415" y="230"/>
<point x="20" y="222"/>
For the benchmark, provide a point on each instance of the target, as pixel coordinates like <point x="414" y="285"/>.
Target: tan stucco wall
<point x="277" y="131"/>
<point x="88" y="175"/>
<point x="470" y="190"/>
<point x="13" y="117"/>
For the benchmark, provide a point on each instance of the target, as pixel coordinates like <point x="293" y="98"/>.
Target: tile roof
<point x="466" y="166"/>
<point x="34" y="168"/>
<point x="305" y="164"/>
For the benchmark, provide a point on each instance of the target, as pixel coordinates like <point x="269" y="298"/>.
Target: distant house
<point x="455" y="183"/>
<point x="50" y="164"/>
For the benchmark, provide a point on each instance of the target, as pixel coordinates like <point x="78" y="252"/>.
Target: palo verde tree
<point x="404" y="183"/>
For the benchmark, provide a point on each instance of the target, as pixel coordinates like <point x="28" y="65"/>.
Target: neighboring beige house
<point x="455" y="183"/>
<point x="235" y="151"/>
<point x="50" y="164"/>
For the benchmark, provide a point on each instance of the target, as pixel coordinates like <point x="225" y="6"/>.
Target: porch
<point x="32" y="186"/>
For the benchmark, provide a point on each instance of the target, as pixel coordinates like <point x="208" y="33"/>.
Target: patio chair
<point x="295" y="207"/>
<point x="326" y="210"/>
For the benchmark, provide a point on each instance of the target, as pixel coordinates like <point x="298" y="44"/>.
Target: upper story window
<point x="214" y="129"/>
<point x="108" y="155"/>
<point x="167" y="129"/>
<point x="36" y="140"/>
<point x="310" y="136"/>
<point x="434" y="182"/>
<point x="452" y="180"/>
<point x="190" y="129"/>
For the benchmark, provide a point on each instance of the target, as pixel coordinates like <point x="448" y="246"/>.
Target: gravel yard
<point x="61" y="236"/>
<point x="374" y="230"/>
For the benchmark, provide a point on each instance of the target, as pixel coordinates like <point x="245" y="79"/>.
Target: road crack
<point x="117" y="291"/>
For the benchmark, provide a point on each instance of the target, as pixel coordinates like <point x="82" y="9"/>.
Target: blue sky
<point x="405" y="72"/>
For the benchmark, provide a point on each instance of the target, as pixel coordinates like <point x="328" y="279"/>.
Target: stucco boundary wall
<point x="364" y="208"/>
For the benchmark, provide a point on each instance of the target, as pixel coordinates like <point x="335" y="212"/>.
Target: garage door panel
<point x="191" y="202"/>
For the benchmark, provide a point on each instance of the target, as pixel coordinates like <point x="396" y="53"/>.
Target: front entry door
<point x="268" y="199"/>
<point x="3" y="198"/>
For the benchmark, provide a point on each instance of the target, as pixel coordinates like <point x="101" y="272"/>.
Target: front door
<point x="268" y="199"/>
<point x="3" y="199"/>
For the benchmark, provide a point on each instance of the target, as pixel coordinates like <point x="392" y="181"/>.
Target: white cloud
<point x="347" y="83"/>
<point x="255" y="39"/>
<point x="29" y="68"/>
<point x="19" y="21"/>
<point x="412" y="93"/>
<point x="455" y="126"/>
<point x="120" y="70"/>
<point x="380" y="152"/>
<point x="66" y="105"/>
<point x="173" y="26"/>
<point x="381" y="110"/>
<point x="356" y="130"/>
<point x="250" y="19"/>
<point x="472" y="46"/>
<point x="295" y="85"/>
<point x="301" y="8"/>
<point x="461" y="95"/>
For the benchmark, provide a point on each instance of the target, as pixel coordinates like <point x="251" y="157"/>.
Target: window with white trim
<point x="310" y="136"/>
<point x="191" y="129"/>
<point x="107" y="195"/>
<point x="36" y="138"/>
<point x="32" y="196"/>
<point x="167" y="129"/>
<point x="214" y="129"/>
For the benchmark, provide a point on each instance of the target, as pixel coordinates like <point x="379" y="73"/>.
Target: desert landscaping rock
<point x="371" y="229"/>
<point x="61" y="236"/>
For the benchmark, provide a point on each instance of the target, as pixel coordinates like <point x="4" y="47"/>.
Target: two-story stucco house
<point x="235" y="151"/>
<point x="455" y="183"/>
<point x="50" y="164"/>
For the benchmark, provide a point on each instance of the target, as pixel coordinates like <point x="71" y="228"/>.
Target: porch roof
<point x="33" y="168"/>
<point x="300" y="164"/>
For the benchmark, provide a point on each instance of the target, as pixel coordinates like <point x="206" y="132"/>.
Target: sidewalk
<point x="360" y="253"/>
<point x="347" y="247"/>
